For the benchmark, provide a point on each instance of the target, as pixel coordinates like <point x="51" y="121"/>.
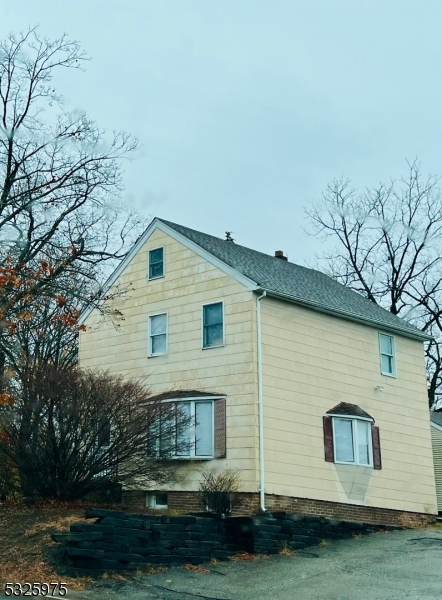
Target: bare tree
<point x="60" y="184"/>
<point x="389" y="249"/>
<point x="69" y="432"/>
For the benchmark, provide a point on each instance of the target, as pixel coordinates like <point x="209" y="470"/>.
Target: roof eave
<point x="435" y="425"/>
<point x="422" y="337"/>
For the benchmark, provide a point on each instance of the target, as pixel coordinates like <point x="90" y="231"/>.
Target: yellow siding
<point x="311" y="363"/>
<point x="189" y="282"/>
<point x="436" y="439"/>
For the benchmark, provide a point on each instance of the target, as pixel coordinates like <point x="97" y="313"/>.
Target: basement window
<point x="156" y="500"/>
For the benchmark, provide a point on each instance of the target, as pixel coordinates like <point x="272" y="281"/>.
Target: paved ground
<point x="401" y="565"/>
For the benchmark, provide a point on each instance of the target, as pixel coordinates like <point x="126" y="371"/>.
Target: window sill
<point x="155" y="355"/>
<point x="391" y="375"/>
<point x="210" y="347"/>
<point x="339" y="462"/>
<point x="155" y="278"/>
<point x="193" y="458"/>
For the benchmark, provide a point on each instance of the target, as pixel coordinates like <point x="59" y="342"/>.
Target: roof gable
<point x="164" y="226"/>
<point x="278" y="278"/>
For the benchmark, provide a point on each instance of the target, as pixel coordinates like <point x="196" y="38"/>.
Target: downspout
<point x="260" y="406"/>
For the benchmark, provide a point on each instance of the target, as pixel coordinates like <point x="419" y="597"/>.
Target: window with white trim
<point x="197" y="440"/>
<point x="386" y="347"/>
<point x="156" y="263"/>
<point x="352" y="441"/>
<point x="213" y="325"/>
<point x="157" y="334"/>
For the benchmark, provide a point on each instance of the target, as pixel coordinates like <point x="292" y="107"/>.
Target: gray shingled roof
<point x="299" y="284"/>
<point x="349" y="410"/>
<point x="436" y="417"/>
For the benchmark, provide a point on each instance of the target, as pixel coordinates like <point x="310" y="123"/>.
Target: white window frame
<point x="151" y="500"/>
<point x="393" y="347"/>
<point x="354" y="429"/>
<point x="192" y="428"/>
<point x="150" y="354"/>
<point x="148" y="263"/>
<point x="203" y="347"/>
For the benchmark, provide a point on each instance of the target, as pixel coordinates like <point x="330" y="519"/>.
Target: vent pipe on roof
<point x="280" y="254"/>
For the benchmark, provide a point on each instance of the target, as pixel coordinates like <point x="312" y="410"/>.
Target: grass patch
<point x="323" y="543"/>
<point x="285" y="550"/>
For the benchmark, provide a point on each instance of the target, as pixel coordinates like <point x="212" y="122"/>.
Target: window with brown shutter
<point x="220" y="428"/>
<point x="351" y="439"/>
<point x="328" y="439"/>
<point x="203" y="438"/>
<point x="377" y="461"/>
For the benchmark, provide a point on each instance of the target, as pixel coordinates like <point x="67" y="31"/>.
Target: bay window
<point x="352" y="441"/>
<point x="190" y="429"/>
<point x="351" y="437"/>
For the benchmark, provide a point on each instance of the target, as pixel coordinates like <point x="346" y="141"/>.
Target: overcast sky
<point x="246" y="109"/>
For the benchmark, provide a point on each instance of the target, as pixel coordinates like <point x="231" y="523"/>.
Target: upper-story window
<point x="157" y="334"/>
<point x="388" y="362"/>
<point x="156" y="263"/>
<point x="213" y="325"/>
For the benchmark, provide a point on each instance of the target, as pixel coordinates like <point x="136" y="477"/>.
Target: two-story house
<point x="316" y="395"/>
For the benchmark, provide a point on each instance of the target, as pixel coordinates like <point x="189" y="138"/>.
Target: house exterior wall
<point x="311" y="363"/>
<point x="436" y="440"/>
<point x="189" y="282"/>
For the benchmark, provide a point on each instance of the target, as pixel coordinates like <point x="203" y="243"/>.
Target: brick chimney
<point x="280" y="254"/>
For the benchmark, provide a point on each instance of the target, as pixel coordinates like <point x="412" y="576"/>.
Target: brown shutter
<point x="220" y="428"/>
<point x="377" y="462"/>
<point x="329" y="454"/>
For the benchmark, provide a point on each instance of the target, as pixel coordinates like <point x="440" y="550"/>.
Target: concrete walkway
<point x="401" y="565"/>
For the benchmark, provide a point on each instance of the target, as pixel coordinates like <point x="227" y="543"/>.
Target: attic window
<point x="156" y="263"/>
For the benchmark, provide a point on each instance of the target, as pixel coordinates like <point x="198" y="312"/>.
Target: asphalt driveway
<point x="397" y="565"/>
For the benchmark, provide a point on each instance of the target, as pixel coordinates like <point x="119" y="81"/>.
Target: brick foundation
<point x="249" y="504"/>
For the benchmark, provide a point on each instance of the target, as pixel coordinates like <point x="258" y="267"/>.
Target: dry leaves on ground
<point x="27" y="551"/>
<point x="243" y="556"/>
<point x="195" y="568"/>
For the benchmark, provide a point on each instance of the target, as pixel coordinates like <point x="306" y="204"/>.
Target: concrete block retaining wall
<point x="125" y="541"/>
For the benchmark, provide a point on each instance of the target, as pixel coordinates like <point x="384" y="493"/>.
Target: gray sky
<point x="246" y="109"/>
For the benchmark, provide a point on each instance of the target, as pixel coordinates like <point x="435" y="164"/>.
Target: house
<point x="316" y="395"/>
<point x="436" y="440"/>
